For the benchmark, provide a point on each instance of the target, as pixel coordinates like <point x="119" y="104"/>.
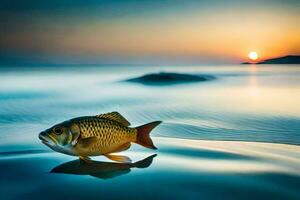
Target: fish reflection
<point x="99" y="169"/>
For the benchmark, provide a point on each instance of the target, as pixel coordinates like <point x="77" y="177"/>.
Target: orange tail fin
<point x="143" y="134"/>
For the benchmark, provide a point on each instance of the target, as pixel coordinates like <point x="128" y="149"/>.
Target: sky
<point x="146" y="31"/>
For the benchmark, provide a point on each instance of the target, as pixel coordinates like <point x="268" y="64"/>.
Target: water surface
<point x="246" y="104"/>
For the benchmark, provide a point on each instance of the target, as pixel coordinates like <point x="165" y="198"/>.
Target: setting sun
<point x="253" y="55"/>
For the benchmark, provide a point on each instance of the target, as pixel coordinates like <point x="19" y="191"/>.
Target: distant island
<point x="290" y="59"/>
<point x="167" y="78"/>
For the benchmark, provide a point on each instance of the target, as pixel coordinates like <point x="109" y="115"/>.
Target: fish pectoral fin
<point x="118" y="158"/>
<point x="86" y="142"/>
<point x="75" y="133"/>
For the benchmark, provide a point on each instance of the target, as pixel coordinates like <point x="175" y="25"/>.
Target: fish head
<point x="61" y="136"/>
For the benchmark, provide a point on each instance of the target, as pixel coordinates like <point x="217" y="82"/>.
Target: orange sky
<point x="225" y="33"/>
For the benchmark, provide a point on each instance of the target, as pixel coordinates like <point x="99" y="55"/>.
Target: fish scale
<point x="108" y="133"/>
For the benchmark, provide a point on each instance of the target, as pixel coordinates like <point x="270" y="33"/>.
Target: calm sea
<point x="243" y="103"/>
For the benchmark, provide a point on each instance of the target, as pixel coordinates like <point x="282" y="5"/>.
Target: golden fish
<point x="97" y="135"/>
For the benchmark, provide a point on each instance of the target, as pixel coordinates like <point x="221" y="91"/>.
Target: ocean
<point x="251" y="107"/>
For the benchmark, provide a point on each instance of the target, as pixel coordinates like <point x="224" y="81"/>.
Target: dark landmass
<point x="164" y="78"/>
<point x="291" y="59"/>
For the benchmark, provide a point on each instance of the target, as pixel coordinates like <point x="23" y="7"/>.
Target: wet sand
<point x="181" y="169"/>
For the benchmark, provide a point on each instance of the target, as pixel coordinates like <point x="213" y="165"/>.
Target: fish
<point x="97" y="135"/>
<point x="101" y="169"/>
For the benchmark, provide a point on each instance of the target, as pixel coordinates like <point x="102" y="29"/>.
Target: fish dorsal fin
<point x="115" y="116"/>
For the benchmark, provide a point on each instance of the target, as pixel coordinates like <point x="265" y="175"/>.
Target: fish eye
<point x="58" y="131"/>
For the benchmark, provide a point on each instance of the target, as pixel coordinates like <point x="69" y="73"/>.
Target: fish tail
<point x="143" y="134"/>
<point x="145" y="162"/>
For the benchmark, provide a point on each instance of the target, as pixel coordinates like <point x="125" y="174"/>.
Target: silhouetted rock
<point x="164" y="78"/>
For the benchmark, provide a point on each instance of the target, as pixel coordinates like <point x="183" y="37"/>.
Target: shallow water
<point x="243" y="103"/>
<point x="181" y="169"/>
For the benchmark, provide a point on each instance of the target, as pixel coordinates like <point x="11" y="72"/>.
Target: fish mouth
<point x="46" y="140"/>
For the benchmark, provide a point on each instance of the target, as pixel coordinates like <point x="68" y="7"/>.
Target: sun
<point x="253" y="55"/>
